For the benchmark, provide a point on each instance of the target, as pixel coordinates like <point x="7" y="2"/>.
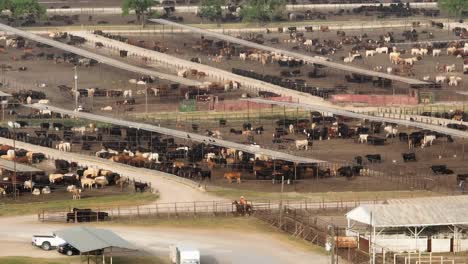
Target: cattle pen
<point x="97" y="57"/>
<point x="306" y="58"/>
<point x="182" y="134"/>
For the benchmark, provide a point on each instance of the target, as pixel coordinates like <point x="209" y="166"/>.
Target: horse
<point x="243" y="209"/>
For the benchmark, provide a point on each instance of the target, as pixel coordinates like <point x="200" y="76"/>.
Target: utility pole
<point x="281" y="203"/>
<point x="76" y="90"/>
<point x="146" y="100"/>
<point x="14" y="162"/>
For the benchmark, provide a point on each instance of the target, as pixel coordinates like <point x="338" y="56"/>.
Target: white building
<point x="433" y="224"/>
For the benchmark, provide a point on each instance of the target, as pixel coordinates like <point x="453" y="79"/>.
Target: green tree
<point x="453" y="7"/>
<point x="20" y="8"/>
<point x="211" y="9"/>
<point x="141" y="8"/>
<point x="262" y="10"/>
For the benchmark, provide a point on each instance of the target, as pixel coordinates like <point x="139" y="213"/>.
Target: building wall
<point x="402" y="244"/>
<point x="440" y="245"/>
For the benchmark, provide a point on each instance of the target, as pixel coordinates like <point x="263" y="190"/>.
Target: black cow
<point x="140" y="187"/>
<point x="375" y="141"/>
<point x="234" y="131"/>
<point x="374" y="158"/>
<point x="409" y="157"/>
<point x="441" y="170"/>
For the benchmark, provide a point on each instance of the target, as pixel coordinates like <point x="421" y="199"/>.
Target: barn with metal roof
<point x="423" y="224"/>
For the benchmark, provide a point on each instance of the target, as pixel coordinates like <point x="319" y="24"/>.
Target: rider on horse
<point x="243" y="202"/>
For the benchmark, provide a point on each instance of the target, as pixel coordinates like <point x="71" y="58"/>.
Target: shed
<point x="423" y="224"/>
<point x="89" y="239"/>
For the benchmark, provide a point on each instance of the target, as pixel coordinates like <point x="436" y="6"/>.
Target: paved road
<point x="97" y="57"/>
<point x="306" y="58"/>
<point x="343" y="112"/>
<point x="170" y="187"/>
<point x="218" y="246"/>
<point x="180" y="134"/>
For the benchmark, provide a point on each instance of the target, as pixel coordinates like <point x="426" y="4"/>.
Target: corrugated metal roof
<point x="10" y="166"/>
<point x="431" y="200"/>
<point x="417" y="214"/>
<point x="87" y="239"/>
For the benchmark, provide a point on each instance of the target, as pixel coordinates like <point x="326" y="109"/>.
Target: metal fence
<point x="201" y="208"/>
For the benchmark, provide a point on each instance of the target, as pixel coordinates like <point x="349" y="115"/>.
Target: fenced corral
<point x="305" y="225"/>
<point x="202" y="208"/>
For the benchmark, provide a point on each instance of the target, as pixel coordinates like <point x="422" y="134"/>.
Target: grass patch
<point x="234" y="194"/>
<point x="23" y="208"/>
<point x="76" y="260"/>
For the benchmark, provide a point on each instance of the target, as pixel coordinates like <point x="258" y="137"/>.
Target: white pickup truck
<point x="47" y="242"/>
<point x="184" y="255"/>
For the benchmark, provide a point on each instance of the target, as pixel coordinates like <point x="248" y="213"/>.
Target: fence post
<point x="76" y="216"/>
<point x="194" y="209"/>
<point x="175" y="208"/>
<point x="138" y="210"/>
<point x="157" y="211"/>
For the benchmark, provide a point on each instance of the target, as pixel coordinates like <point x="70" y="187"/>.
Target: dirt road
<point x="217" y="246"/>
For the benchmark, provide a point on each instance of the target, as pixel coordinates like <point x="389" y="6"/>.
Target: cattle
<point x="64" y="146"/>
<point x="375" y="141"/>
<point x="236" y="132"/>
<point x="101" y="181"/>
<point x="233" y="175"/>
<point x="441" y="170"/>
<point x="87" y="182"/>
<point x="461" y="177"/>
<point x="428" y="140"/>
<point x="390" y="131"/>
<point x="407" y="157"/>
<point x="140" y="187"/>
<point x="91" y="173"/>
<point x="54" y="178"/>
<point x="374" y="158"/>
<point x="302" y="144"/>
<point x="363" y="138"/>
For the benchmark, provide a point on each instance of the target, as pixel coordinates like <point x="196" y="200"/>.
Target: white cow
<point x="302" y="144"/>
<point x="243" y="56"/>
<point x="436" y="52"/>
<point x="441" y="79"/>
<point x="87" y="182"/>
<point x="382" y="50"/>
<point x="363" y="138"/>
<point x="428" y="140"/>
<point x="453" y="80"/>
<point x="370" y="53"/>
<point x="391" y="131"/>
<point x="450" y="68"/>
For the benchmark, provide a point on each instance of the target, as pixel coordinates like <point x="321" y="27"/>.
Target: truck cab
<point x="47" y="242"/>
<point x="184" y="255"/>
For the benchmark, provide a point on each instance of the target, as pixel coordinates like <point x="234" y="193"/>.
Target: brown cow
<point x="233" y="175"/>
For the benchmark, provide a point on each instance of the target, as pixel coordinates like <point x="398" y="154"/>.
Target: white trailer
<point x="184" y="255"/>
